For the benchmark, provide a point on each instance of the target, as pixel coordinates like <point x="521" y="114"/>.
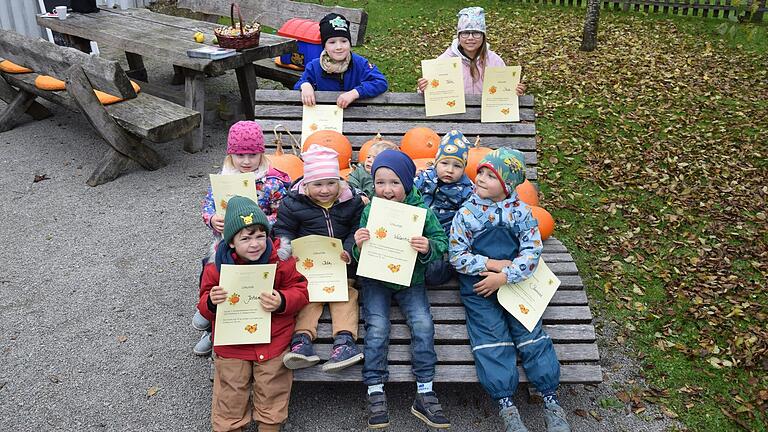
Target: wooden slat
<point x="282" y="97"/>
<point x="267" y="68"/>
<point x="522" y="143"/>
<point x="450" y="297"/>
<point x="444" y="314"/>
<point x="396" y="127"/>
<point x="370" y="112"/>
<point x="569" y="374"/>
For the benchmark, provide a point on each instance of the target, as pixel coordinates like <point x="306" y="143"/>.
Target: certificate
<point x="318" y="258"/>
<point x="445" y="89"/>
<point x="499" y="102"/>
<point x="241" y="319"/>
<point x="388" y="255"/>
<point x="320" y="117"/>
<point x="527" y="300"/>
<point x="225" y="187"/>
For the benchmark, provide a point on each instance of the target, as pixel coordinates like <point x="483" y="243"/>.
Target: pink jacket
<point x="470" y="86"/>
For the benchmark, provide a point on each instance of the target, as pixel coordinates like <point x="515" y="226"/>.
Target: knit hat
<point x="398" y="162"/>
<point x="320" y="163"/>
<point x="471" y="19"/>
<point x="242" y="212"/>
<point x="453" y="146"/>
<point x="245" y="137"/>
<point x="508" y="165"/>
<point x="334" y="25"/>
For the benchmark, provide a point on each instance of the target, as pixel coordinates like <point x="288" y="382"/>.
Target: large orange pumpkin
<point x="363" y="153"/>
<point x="420" y="143"/>
<point x="423" y="163"/>
<point x="334" y="140"/>
<point x="286" y="162"/>
<point x="546" y="222"/>
<point x="528" y="193"/>
<point x="345" y="173"/>
<point x="474" y="157"/>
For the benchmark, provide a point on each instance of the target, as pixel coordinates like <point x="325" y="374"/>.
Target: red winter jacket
<point x="289" y="282"/>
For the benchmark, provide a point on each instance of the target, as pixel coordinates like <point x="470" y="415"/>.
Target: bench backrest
<point x="47" y="58"/>
<point x="274" y="13"/>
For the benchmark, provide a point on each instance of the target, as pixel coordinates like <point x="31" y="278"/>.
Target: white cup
<point x="61" y="12"/>
<point x="124" y="4"/>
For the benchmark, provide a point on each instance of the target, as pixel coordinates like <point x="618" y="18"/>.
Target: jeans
<point x="414" y="304"/>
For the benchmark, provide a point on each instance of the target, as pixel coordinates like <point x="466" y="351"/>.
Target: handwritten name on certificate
<point x="225" y="187"/>
<point x="320" y="117"/>
<point x="445" y="88"/>
<point x="241" y="319"/>
<point x="318" y="258"/>
<point x="499" y="101"/>
<point x="527" y="300"/>
<point x="388" y="255"/>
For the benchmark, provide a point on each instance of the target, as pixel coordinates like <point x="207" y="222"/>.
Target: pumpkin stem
<point x="477" y="141"/>
<point x="294" y="142"/>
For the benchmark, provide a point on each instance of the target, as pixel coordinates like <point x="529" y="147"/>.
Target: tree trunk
<point x="589" y="37"/>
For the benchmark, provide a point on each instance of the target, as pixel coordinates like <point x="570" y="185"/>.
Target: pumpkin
<point x="363" y="153"/>
<point x="286" y="162"/>
<point x="345" y="173"/>
<point x="528" y="193"/>
<point x="475" y="155"/>
<point x="420" y="143"/>
<point x="423" y="163"/>
<point x="333" y="140"/>
<point x="546" y="222"/>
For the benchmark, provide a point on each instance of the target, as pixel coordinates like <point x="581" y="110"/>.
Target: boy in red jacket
<point x="255" y="369"/>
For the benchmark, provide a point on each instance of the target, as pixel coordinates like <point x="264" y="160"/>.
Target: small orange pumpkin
<point x="475" y="155"/>
<point x="420" y="143"/>
<point x="528" y="193"/>
<point x="546" y="222"/>
<point x="363" y="153"/>
<point x="286" y="162"/>
<point x="345" y="173"/>
<point x="334" y="140"/>
<point x="423" y="163"/>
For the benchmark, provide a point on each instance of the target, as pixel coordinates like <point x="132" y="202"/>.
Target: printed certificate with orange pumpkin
<point x="318" y="258"/>
<point x="527" y="300"/>
<point x="445" y="88"/>
<point x="388" y="255"/>
<point x="320" y="117"/>
<point x="499" y="101"/>
<point x="225" y="187"/>
<point x="241" y="319"/>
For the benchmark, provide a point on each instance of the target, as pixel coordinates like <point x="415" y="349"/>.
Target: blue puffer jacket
<point x="361" y="75"/>
<point x="443" y="198"/>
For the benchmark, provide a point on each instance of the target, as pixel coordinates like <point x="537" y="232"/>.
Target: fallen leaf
<point x="39" y="178"/>
<point x="152" y="391"/>
<point x="580" y="412"/>
<point x="122" y="339"/>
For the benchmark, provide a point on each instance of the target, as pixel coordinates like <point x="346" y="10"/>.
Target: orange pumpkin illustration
<point x="451" y="103"/>
<point x="381" y="233"/>
<point x="223" y="204"/>
<point x="394" y="268"/>
<point x="308" y="263"/>
<point x="329" y="289"/>
<point x="505" y="111"/>
<point x="435" y="83"/>
<point x="492" y="90"/>
<point x="251" y="328"/>
<point x="524" y="309"/>
<point x="313" y="127"/>
<point x="234" y="298"/>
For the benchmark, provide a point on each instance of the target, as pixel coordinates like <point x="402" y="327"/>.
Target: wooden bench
<point x="568" y="319"/>
<point x="122" y="125"/>
<point x="274" y="14"/>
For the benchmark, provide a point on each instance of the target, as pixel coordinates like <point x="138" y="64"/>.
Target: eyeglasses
<point x="468" y="34"/>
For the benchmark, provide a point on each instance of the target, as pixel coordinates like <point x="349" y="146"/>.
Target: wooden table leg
<point x="178" y="75"/>
<point x="8" y="94"/>
<point x="15" y="109"/>
<point x="246" y="80"/>
<point x="136" y="69"/>
<point x="194" y="98"/>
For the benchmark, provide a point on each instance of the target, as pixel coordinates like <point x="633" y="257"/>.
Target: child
<point x="444" y="188"/>
<point x="472" y="48"/>
<point x="242" y="370"/>
<point x="361" y="178"/>
<point x="338" y="68"/>
<point x="393" y="173"/>
<point x="245" y="153"/>
<point x="322" y="204"/>
<point x="495" y="240"/>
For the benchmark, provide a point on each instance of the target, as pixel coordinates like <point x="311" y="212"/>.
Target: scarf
<point x="332" y="66"/>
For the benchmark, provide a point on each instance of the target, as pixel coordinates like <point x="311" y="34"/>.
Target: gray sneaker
<point x="200" y="323"/>
<point x="554" y="417"/>
<point x="512" y="421"/>
<point x="204" y="346"/>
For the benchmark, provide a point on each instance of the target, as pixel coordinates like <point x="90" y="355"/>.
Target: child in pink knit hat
<point x="245" y="153"/>
<point x="323" y="204"/>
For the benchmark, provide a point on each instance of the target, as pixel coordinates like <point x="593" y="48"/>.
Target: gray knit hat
<point x="242" y="212"/>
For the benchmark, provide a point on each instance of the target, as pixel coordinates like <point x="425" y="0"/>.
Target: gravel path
<point x="99" y="284"/>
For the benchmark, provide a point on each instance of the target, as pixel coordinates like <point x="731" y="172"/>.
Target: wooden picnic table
<point x="141" y="32"/>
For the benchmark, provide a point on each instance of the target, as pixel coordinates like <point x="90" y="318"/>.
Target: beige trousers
<point x="344" y="315"/>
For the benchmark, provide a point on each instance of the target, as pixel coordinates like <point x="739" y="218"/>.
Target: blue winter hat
<point x="454" y="145"/>
<point x="398" y="162"/>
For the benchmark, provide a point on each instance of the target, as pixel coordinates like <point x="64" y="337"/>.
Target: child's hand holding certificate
<point x="527" y="300"/>
<point x="241" y="319"/>
<point x="445" y="87"/>
<point x="500" y="101"/>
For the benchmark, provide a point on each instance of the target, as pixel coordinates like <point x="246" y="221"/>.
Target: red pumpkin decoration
<point x="286" y="162"/>
<point x="475" y="155"/>
<point x="420" y="143"/>
<point x="546" y="222"/>
<point x="333" y="140"/>
<point x="528" y="193"/>
<point x="363" y="153"/>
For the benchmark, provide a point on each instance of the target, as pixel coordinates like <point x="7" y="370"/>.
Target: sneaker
<point x="302" y="353"/>
<point x="427" y="408"/>
<point x="378" y="417"/>
<point x="554" y="417"/>
<point x="200" y="323"/>
<point x="204" y="346"/>
<point x="344" y="354"/>
<point x="512" y="421"/>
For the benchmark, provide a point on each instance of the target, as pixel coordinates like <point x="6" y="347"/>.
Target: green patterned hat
<point x="242" y="212"/>
<point x="508" y="165"/>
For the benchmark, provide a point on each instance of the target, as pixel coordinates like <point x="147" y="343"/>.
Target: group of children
<point x="481" y="231"/>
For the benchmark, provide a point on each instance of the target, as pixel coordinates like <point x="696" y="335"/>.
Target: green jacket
<point x="361" y="180"/>
<point x="438" y="241"/>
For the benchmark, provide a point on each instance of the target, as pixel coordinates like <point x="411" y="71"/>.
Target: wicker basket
<point x="241" y="41"/>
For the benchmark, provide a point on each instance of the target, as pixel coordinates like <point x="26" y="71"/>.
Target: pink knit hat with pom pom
<point x="245" y="137"/>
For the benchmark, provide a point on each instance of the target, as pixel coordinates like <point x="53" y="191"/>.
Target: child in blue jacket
<point x="338" y="68"/>
<point x="494" y="241"/>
